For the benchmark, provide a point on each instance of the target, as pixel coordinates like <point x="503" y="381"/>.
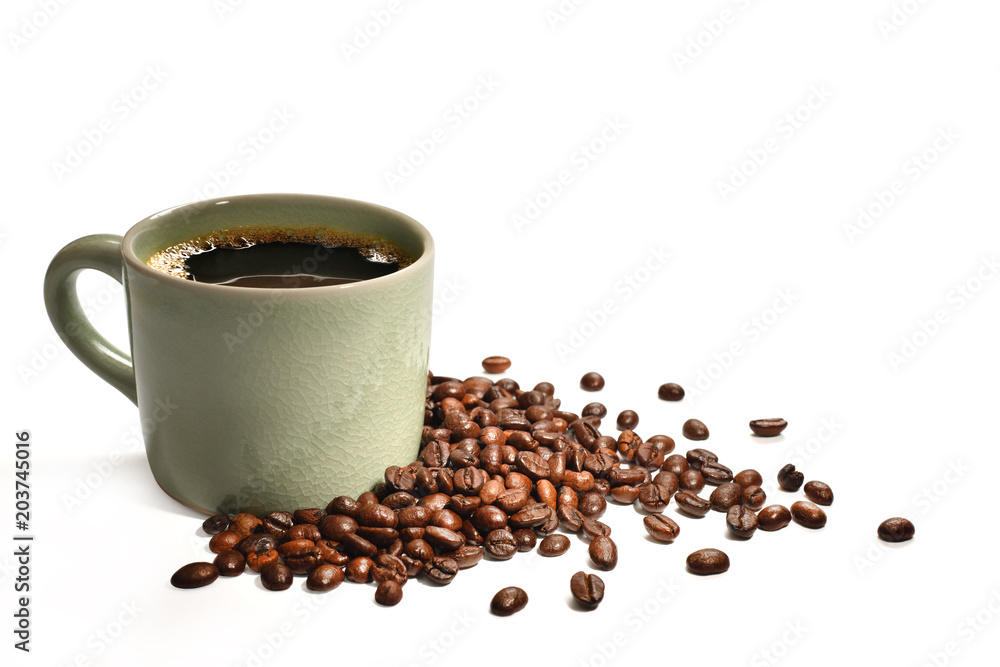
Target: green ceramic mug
<point x="261" y="399"/>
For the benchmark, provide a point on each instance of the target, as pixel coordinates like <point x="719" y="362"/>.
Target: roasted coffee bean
<point x="661" y="527"/>
<point x="214" y="525"/>
<point x="668" y="481"/>
<point x="741" y="521"/>
<point x="389" y="568"/>
<point x="691" y="480"/>
<point x="501" y="544"/>
<point x="587" y="589"/>
<point x="303" y="531"/>
<point x="467" y="556"/>
<point x="445" y="518"/>
<point x="592" y="410"/>
<point x="343" y="505"/>
<point x="707" y="561"/>
<point x="399" y="500"/>
<point x="694" y="429"/>
<point x="230" y="563"/>
<point x="330" y="552"/>
<point x="557" y="469"/>
<point x="312" y="515"/>
<point x="586" y="433"/>
<point x="508" y="601"/>
<point x="553" y="545"/>
<point x="592" y="382"/>
<point x="551" y="524"/>
<point x="355" y="545"/>
<point x="768" y="428"/>
<point x="368" y="497"/>
<point x="512" y="500"/>
<point x="628" y="444"/>
<point x="546" y="492"/>
<point x="303" y="562"/>
<point x="444" y="539"/>
<point x="625" y="494"/>
<point x="413" y="566"/>
<point x="525" y="538"/>
<point x="748" y="477"/>
<point x="531" y="516"/>
<point x="257" y="560"/>
<point x="532" y="465"/>
<point x="593" y="528"/>
<point x="627" y="419"/>
<point x="670" y="392"/>
<point x="489" y="518"/>
<point x="419" y="549"/>
<point x="714" y="472"/>
<point x="224" y="541"/>
<point x="603" y="552"/>
<point x="496" y="364"/>
<point x="359" y="570"/>
<point x="696" y="458"/>
<point x="336" y="526"/>
<point x="276" y="577"/>
<point x="441" y="570"/>
<point x="819" y="493"/>
<point x="276" y="524"/>
<point x="195" y="575"/>
<point x="654" y="498"/>
<point x="522" y="441"/>
<point x="633" y="476"/>
<point x="388" y="593"/>
<point x="514" y="422"/>
<point x="469" y="481"/>
<point x="664" y="443"/>
<point x="536" y="414"/>
<point x="325" y="578"/>
<point x="896" y="529"/>
<point x="753" y="498"/>
<point x="528" y="398"/>
<point x="394" y="549"/>
<point x="465" y="506"/>
<point x="415" y="516"/>
<point x="649" y="456"/>
<point x="692" y="504"/>
<point x="256" y="544"/>
<point x="600" y="463"/>
<point x="808" y="514"/>
<point x="426" y="483"/>
<point x="515" y="480"/>
<point x="725" y="496"/>
<point x="676" y="464"/>
<point x="592" y="505"/>
<point x="570" y="518"/>
<point x="377" y="515"/>
<point x="491" y="490"/>
<point x="773" y="517"/>
<point x="244" y="524"/>
<point x="789" y="478"/>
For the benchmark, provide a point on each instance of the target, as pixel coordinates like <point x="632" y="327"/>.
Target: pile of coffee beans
<point x="499" y="467"/>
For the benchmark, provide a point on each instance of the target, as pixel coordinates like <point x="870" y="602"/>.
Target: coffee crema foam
<point x="172" y="260"/>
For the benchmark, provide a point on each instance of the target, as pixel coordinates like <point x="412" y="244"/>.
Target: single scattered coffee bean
<point x="496" y="364"/>
<point x="725" y="496"/>
<point x="773" y="517"/>
<point x="661" y="528"/>
<point x="896" y="529"/>
<point x="441" y="569"/>
<point x="553" y="545"/>
<point x="671" y="391"/>
<point x="276" y="576"/>
<point x="325" y="578"/>
<point x="789" y="478"/>
<point x="627" y="419"/>
<point x="768" y="428"/>
<point x="716" y="473"/>
<point x="708" y="561"/>
<point x="749" y="477"/>
<point x="388" y="593"/>
<point x="696" y="458"/>
<point x="593" y="410"/>
<point x="692" y="504"/>
<point x="808" y="514"/>
<point x="741" y="521"/>
<point x="587" y="589"/>
<point x="500" y="544"/>
<point x="694" y="429"/>
<point x="195" y="575"/>
<point x="604" y="553"/>
<point x="691" y="480"/>
<point x="230" y="563"/>
<point x="525" y="538"/>
<point x="508" y="601"/>
<point x="214" y="525"/>
<point x="753" y="498"/>
<point x="819" y="493"/>
<point x="592" y="382"/>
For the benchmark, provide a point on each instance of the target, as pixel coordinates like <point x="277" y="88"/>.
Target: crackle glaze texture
<point x="258" y="400"/>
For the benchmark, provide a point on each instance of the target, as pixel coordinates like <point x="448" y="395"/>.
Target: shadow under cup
<point x="256" y="399"/>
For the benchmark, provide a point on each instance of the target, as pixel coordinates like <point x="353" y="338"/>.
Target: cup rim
<point x="136" y="264"/>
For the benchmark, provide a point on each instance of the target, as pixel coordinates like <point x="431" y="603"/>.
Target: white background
<point x="912" y="434"/>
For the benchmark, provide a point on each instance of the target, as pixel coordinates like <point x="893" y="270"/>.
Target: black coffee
<point x="279" y="258"/>
<point x="284" y="265"/>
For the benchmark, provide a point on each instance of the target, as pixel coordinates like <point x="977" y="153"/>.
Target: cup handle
<point x="102" y="252"/>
